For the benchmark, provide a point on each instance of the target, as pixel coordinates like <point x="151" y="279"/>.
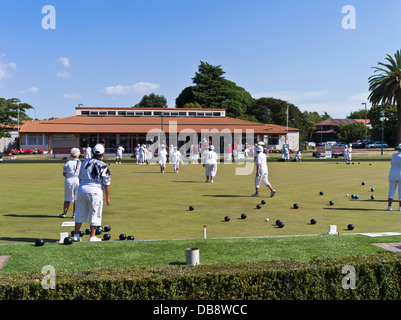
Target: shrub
<point x="378" y="277"/>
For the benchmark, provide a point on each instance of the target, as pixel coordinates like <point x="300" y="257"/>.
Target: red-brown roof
<point x="142" y="125"/>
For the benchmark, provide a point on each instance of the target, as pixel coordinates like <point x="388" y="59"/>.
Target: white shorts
<point x="89" y="208"/>
<point x="176" y="165"/>
<point x="211" y="170"/>
<point x="70" y="189"/>
<point x="119" y="155"/>
<point x="260" y="178"/>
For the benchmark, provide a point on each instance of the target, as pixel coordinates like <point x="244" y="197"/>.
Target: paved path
<point x="3" y="260"/>
<point x="394" y="246"/>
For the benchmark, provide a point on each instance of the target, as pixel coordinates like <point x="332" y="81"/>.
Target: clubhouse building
<point x="132" y="126"/>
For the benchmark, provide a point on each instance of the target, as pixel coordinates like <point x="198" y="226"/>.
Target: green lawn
<point x="150" y="206"/>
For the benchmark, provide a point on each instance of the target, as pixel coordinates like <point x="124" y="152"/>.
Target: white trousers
<point x="393" y="184"/>
<point x="260" y="178"/>
<point x="89" y="208"/>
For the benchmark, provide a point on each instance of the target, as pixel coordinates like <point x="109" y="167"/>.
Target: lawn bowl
<point x="39" y="242"/>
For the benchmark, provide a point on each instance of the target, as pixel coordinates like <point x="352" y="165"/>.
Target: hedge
<point x="377" y="277"/>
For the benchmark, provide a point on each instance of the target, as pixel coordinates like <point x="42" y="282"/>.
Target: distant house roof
<point x="340" y="122"/>
<point x="88" y="124"/>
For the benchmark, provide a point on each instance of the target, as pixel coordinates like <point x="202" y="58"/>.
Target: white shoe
<point x="76" y="238"/>
<point x="63" y="215"/>
<point x="255" y="195"/>
<point x="94" y="239"/>
<point x="389" y="208"/>
<point x="272" y="193"/>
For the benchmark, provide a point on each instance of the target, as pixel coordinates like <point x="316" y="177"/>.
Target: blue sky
<point x="111" y="53"/>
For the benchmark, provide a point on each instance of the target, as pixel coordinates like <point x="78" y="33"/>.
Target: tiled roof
<point x="142" y="125"/>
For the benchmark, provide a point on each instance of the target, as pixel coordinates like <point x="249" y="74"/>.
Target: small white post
<point x="332" y="229"/>
<point x="192" y="256"/>
<point x="204" y="232"/>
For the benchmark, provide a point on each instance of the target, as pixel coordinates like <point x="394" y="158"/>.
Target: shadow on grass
<point x="225" y="196"/>
<point x="354" y="209"/>
<point x="189" y="181"/>
<point x="30" y="216"/>
<point x="24" y="240"/>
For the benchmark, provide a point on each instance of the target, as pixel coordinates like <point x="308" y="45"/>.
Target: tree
<point x="237" y="101"/>
<point x="359" y="114"/>
<point x="212" y="90"/>
<point x="385" y="87"/>
<point x="10" y="111"/>
<point x="352" y="132"/>
<point x="388" y="130"/>
<point x="209" y="90"/>
<point x="152" y="101"/>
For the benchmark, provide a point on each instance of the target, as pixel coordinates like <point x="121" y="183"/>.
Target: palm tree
<point x="385" y="87"/>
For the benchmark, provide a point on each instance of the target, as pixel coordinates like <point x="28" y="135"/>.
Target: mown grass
<point x="151" y="206"/>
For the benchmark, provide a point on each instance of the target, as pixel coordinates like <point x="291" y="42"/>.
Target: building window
<point x="34" y="140"/>
<point x="273" y="141"/>
<point x="111" y="113"/>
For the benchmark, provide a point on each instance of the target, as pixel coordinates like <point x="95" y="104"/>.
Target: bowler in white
<point x="394" y="178"/>
<point x="71" y="182"/>
<point x="261" y="172"/>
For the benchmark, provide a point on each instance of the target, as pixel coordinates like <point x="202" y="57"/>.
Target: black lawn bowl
<point x="107" y="228"/>
<point x="296" y="205"/>
<point x="372" y="197"/>
<point x="321" y="193"/>
<point x="363" y="183"/>
<point x="226" y="218"/>
<point x="350" y="227"/>
<point x="263" y="202"/>
<point x="67" y="240"/>
<point x="243" y="216"/>
<point x="191" y="208"/>
<point x="281" y="224"/>
<point x="106" y="236"/>
<point x="87" y="231"/>
<point x="278" y="222"/>
<point x="81" y="233"/>
<point x="39" y="242"/>
<point x="99" y="230"/>
<point x="123" y="236"/>
<point x="331" y="203"/>
<point x="258" y="206"/>
<point x="130" y="238"/>
<point x="313" y="221"/>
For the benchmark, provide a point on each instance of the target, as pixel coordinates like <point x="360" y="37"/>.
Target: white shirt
<point x="176" y="156"/>
<point x="211" y="157"/>
<point x="71" y="169"/>
<point x="395" y="170"/>
<point x="88" y="152"/>
<point x="163" y="154"/>
<point x="261" y="159"/>
<point x="93" y="175"/>
<point x="120" y="150"/>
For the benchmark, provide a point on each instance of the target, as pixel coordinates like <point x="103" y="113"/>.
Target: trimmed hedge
<point x="378" y="277"/>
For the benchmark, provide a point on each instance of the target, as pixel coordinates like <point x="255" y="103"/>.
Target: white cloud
<point x="64" y="74"/>
<point x="31" y="90"/>
<point x="72" y="96"/>
<point x="140" y="87"/>
<point x="64" y="61"/>
<point x="5" y="69"/>
<point x="362" y="97"/>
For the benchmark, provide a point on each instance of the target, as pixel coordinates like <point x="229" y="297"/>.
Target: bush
<point x="26" y="151"/>
<point x="377" y="277"/>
